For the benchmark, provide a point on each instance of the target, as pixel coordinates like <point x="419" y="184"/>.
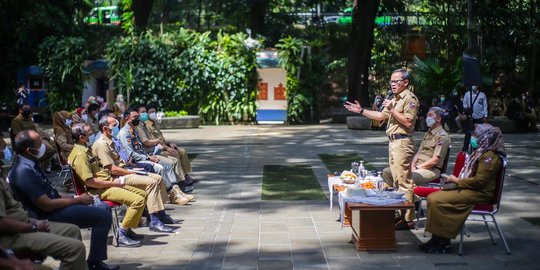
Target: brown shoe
<point x="181" y="194"/>
<point x="176" y="199"/>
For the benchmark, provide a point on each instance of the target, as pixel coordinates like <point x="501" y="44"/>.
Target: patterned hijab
<point x="59" y="124"/>
<point x="489" y="139"/>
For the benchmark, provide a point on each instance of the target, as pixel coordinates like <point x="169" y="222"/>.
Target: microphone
<point x="389" y="95"/>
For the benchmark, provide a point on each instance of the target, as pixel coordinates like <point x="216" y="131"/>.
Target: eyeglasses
<point x="395" y="81"/>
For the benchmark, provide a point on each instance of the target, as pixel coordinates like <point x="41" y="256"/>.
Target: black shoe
<point x="125" y="241"/>
<point x="441" y="246"/>
<point x="100" y="265"/>
<point x="427" y="245"/>
<point x="189" y="180"/>
<point x="187" y="189"/>
<point x="160" y="228"/>
<point x="132" y="235"/>
<point x="166" y="219"/>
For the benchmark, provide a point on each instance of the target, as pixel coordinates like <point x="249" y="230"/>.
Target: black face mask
<point x="136" y="122"/>
<point x="26" y="113"/>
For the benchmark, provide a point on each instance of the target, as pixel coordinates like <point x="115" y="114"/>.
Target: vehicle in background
<point x="108" y="15"/>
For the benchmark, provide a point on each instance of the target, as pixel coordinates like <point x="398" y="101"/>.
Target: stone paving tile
<point x="275" y="238"/>
<point x="303" y="233"/>
<point x="299" y="222"/>
<point x="270" y="251"/>
<point x="275" y="264"/>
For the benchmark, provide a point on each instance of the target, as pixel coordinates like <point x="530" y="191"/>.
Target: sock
<point x="154" y="220"/>
<point x="161" y="214"/>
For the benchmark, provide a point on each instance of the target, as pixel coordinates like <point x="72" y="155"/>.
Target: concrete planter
<point x="502" y="122"/>
<point x="188" y="121"/>
<point x="358" y="122"/>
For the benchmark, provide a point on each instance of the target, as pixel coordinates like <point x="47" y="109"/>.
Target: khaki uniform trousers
<point x="156" y="193"/>
<point x="182" y="164"/>
<point x="448" y="210"/>
<point x="63" y="243"/>
<point x="419" y="177"/>
<point x="401" y="153"/>
<point x="134" y="198"/>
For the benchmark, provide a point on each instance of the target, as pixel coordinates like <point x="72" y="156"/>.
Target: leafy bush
<point x="61" y="59"/>
<point x="215" y="78"/>
<point x="175" y="113"/>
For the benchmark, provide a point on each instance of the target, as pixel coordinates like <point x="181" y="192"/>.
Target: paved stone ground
<point x="229" y="227"/>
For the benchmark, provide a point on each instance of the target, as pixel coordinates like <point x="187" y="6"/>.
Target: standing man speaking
<point x="401" y="112"/>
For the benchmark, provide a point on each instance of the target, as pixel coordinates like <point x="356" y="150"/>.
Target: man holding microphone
<point x="401" y="113"/>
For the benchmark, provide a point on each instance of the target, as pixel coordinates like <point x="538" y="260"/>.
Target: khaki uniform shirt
<point x="435" y="142"/>
<point x="144" y="135"/>
<point x="9" y="207"/>
<point x="406" y="103"/>
<point x="104" y="150"/>
<point x="485" y="177"/>
<point x="154" y="130"/>
<point x="19" y="124"/>
<point x="86" y="166"/>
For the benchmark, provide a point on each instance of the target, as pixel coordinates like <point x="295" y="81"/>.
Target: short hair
<point x="77" y="130"/>
<point x="25" y="103"/>
<point x="103" y="121"/>
<point x="151" y="106"/>
<point x="141" y="106"/>
<point x="437" y="110"/>
<point x="404" y="73"/>
<point x="104" y="112"/>
<point x="128" y="111"/>
<point x="23" y="140"/>
<point x="93" y="107"/>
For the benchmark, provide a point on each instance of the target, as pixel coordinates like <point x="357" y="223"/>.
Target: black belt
<point x="394" y="137"/>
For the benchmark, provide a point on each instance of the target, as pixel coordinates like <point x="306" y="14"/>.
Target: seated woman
<point x="62" y="132"/>
<point x="448" y="209"/>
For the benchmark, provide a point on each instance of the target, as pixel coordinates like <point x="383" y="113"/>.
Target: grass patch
<point x="342" y="161"/>
<point x="192" y="156"/>
<point x="290" y="182"/>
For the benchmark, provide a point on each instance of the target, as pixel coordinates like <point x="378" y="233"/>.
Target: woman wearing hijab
<point x="62" y="132"/>
<point x="448" y="209"/>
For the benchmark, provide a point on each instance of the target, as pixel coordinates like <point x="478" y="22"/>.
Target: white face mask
<point x="85" y="117"/>
<point x="430" y="121"/>
<point x="41" y="151"/>
<point x="152" y="116"/>
<point x="69" y="122"/>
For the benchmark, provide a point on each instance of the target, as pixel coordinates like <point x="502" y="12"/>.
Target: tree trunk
<point x="534" y="54"/>
<point x="141" y="12"/>
<point x="361" y="43"/>
<point x="257" y="12"/>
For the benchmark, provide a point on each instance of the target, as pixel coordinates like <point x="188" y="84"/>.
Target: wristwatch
<point x="34" y="227"/>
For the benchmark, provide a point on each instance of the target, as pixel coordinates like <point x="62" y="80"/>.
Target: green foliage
<point x="215" y="78"/>
<point x="176" y="113"/>
<point x="432" y="79"/>
<point x="61" y="59"/>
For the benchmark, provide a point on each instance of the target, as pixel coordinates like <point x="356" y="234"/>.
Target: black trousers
<point x="469" y="129"/>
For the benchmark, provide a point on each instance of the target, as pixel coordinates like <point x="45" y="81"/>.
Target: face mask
<point x="41" y="151"/>
<point x="430" y="121"/>
<point x="85" y="117"/>
<point x="135" y="122"/>
<point x="7" y="154"/>
<point x="96" y="115"/>
<point x="69" y="122"/>
<point x="26" y="113"/>
<point x="474" y="143"/>
<point x="114" y="131"/>
<point x="153" y="116"/>
<point x="442" y="99"/>
<point x="91" y="140"/>
<point x="144" y="117"/>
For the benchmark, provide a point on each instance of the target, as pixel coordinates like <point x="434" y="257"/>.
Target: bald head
<point x="27" y="142"/>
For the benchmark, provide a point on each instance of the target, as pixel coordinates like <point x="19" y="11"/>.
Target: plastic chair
<point x="80" y="189"/>
<point x="489" y="209"/>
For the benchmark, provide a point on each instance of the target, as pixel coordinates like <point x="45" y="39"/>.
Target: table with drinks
<point x="367" y="206"/>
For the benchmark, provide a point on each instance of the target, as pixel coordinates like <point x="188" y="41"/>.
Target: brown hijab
<point x="489" y="139"/>
<point x="59" y="125"/>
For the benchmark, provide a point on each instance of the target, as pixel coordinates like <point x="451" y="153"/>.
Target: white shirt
<point x="480" y="106"/>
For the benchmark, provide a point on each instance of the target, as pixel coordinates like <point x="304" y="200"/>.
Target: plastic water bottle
<point x="361" y="169"/>
<point x="354" y="167"/>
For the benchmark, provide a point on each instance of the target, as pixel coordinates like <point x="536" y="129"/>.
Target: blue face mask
<point x="7" y="155"/>
<point x="144" y="117"/>
<point x="114" y="131"/>
<point x="474" y="143"/>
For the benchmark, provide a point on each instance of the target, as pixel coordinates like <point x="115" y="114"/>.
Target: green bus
<point x="104" y="15"/>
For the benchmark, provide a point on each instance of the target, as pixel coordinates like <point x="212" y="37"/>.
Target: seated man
<point x="103" y="150"/>
<point x="152" y="139"/>
<point x="448" y="209"/>
<point x="99" y="182"/>
<point x="133" y="147"/>
<point x="22" y="234"/>
<point x="31" y="187"/>
<point x="429" y="160"/>
<point x="23" y="121"/>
